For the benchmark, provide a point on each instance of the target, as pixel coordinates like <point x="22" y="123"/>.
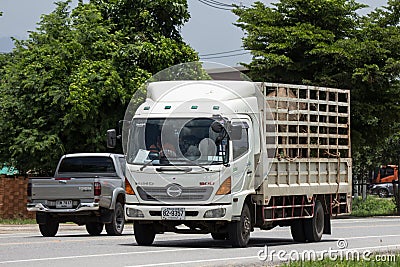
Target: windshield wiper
<point x="146" y="164"/>
<point x="205" y="168"/>
<point x="173" y="168"/>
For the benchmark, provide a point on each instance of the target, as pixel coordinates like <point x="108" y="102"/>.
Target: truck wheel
<point x="94" y="228"/>
<point x="118" y="221"/>
<point x="49" y="228"/>
<point x="219" y="236"/>
<point x="144" y="233"/>
<point x="239" y="231"/>
<point x="297" y="230"/>
<point x="314" y="227"/>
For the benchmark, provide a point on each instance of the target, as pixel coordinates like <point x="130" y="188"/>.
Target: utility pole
<point x="396" y="189"/>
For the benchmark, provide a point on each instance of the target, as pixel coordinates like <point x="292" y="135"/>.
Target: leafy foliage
<point x="74" y="76"/>
<point x="373" y="206"/>
<point x="326" y="43"/>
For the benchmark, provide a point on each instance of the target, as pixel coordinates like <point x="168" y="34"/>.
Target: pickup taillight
<point x="97" y="188"/>
<point x="29" y="190"/>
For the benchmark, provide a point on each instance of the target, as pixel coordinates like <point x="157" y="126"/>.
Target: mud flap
<point x="106" y="216"/>
<point x="41" y="217"/>
<point x="327" y="224"/>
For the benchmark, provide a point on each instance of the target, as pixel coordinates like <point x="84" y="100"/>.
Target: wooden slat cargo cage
<point x="308" y="130"/>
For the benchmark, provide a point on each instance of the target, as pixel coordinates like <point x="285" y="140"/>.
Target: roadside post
<point x="396" y="193"/>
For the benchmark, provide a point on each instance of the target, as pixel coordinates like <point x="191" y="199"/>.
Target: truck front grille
<point x="188" y="194"/>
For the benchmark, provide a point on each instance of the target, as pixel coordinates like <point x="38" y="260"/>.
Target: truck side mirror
<point x="217" y="127"/>
<point x="111" y="138"/>
<point x="236" y="132"/>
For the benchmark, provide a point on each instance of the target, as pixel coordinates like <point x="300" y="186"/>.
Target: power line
<point x="218" y="3"/>
<point x="219" y="53"/>
<point x="221" y="5"/>
<point x="214" y="5"/>
<point x="233" y="55"/>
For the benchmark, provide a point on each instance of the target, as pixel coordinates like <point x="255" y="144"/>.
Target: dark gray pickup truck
<point x="87" y="189"/>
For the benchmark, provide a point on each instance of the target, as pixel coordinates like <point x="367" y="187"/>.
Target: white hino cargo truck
<point x="225" y="157"/>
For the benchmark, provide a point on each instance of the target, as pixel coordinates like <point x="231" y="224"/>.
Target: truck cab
<point x="385" y="174"/>
<point x="190" y="157"/>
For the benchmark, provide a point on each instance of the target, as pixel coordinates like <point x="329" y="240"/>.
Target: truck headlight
<point x="215" y="213"/>
<point x="134" y="213"/>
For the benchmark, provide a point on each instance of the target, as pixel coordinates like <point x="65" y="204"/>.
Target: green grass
<point x="344" y="263"/>
<point x="17" y="221"/>
<point x="373" y="206"/>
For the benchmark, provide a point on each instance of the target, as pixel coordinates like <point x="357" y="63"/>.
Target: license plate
<point x="173" y="213"/>
<point x="63" y="204"/>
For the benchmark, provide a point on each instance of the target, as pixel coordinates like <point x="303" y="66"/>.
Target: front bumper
<point x="81" y="207"/>
<point x="192" y="213"/>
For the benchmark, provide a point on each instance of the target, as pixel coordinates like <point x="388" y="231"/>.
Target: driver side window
<point x="240" y="147"/>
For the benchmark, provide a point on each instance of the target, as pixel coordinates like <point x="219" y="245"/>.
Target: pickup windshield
<point x="176" y="141"/>
<point x="87" y="165"/>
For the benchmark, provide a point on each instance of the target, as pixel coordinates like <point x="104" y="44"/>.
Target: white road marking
<point x="366" y="220"/>
<point x="375" y="248"/>
<point x="100" y="255"/>
<point x="195" y="261"/>
<point x="363" y="237"/>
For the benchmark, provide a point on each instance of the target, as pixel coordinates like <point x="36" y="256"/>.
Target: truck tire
<point x="297" y="230"/>
<point x="144" y="233"/>
<point x="50" y="227"/>
<point x="118" y="221"/>
<point x="219" y="236"/>
<point x="94" y="228"/>
<point x="239" y="231"/>
<point x="314" y="227"/>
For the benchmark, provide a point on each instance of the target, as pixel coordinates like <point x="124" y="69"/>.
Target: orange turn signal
<point x="225" y="187"/>
<point x="128" y="188"/>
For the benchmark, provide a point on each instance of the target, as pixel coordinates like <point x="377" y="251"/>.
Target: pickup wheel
<point x="144" y="233"/>
<point x="239" y="231"/>
<point x="297" y="230"/>
<point x="49" y="228"/>
<point x="94" y="228"/>
<point x="314" y="227"/>
<point x="118" y="221"/>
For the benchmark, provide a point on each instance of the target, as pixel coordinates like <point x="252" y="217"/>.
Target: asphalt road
<point x="24" y="246"/>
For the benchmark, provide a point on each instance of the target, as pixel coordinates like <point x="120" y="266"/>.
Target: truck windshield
<point x="177" y="141"/>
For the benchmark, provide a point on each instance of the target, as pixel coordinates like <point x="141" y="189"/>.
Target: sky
<point x="209" y="31"/>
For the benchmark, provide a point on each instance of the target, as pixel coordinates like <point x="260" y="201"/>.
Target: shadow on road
<point x="210" y="243"/>
<point x="80" y="234"/>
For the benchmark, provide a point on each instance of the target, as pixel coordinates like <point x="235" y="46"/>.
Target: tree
<point x="74" y="76"/>
<point x="326" y="43"/>
<point x="287" y="41"/>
